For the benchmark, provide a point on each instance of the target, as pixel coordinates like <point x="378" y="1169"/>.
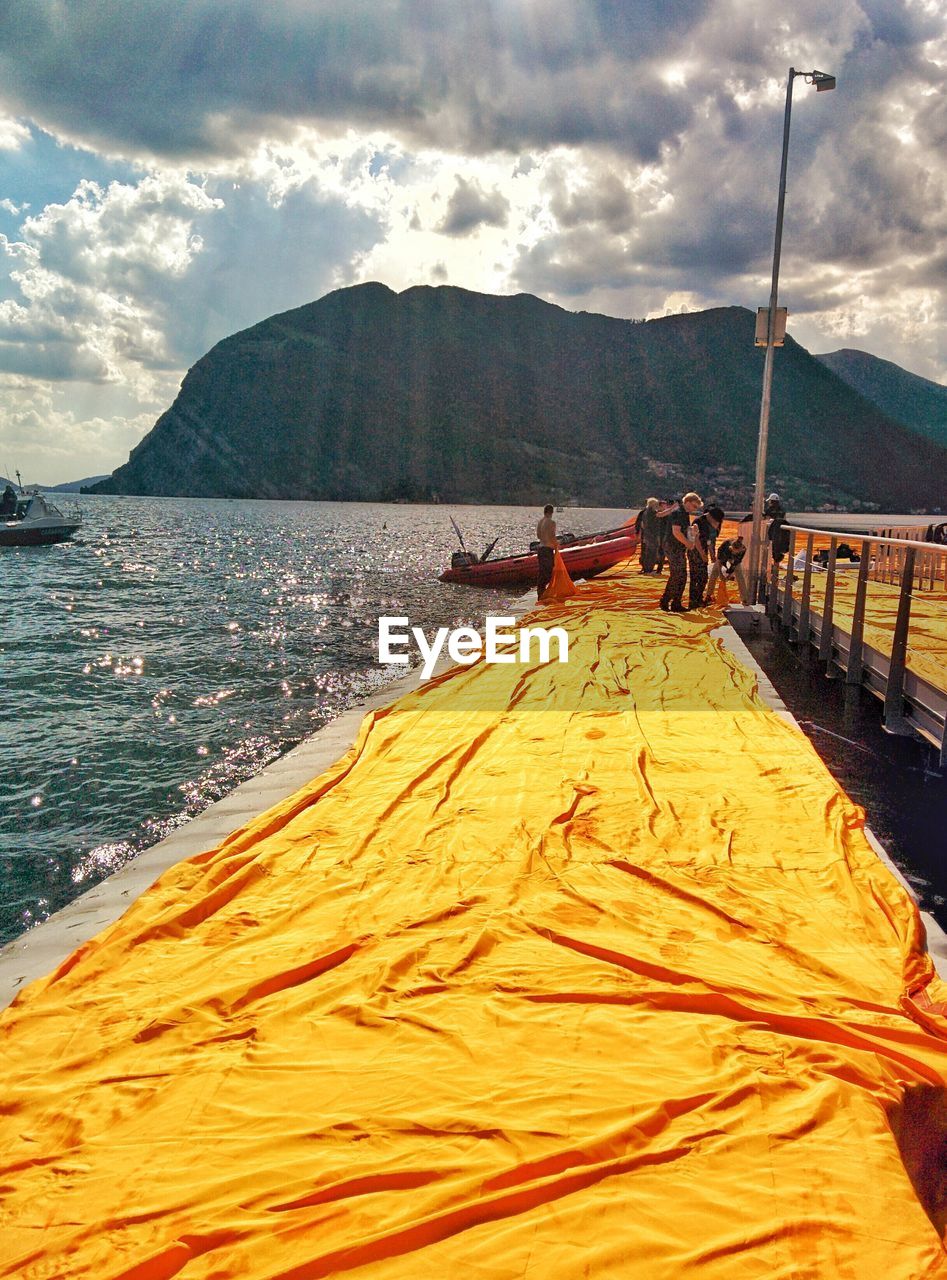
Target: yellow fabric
<point x="569" y="970"/>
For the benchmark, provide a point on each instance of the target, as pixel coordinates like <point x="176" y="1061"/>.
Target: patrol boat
<point x="36" y="521"/>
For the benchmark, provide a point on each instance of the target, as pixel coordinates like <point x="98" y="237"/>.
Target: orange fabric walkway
<point x="568" y="970"/>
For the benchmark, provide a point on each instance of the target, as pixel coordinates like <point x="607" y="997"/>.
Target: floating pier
<point x="575" y="970"/>
<point x="883" y="627"/>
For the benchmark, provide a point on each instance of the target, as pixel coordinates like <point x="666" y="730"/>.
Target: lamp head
<point x="822" y="80"/>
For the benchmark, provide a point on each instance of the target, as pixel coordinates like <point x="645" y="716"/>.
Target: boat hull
<point x="12" y="535"/>
<point x="583" y="560"/>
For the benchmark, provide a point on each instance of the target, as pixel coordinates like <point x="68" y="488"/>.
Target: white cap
<point x="773" y="497"/>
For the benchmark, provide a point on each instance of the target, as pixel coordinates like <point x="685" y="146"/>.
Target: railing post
<point x="772" y="598"/>
<point x="787" y="594"/>
<point x="806" y="596"/>
<point x="895" y="720"/>
<point x="826" y="647"/>
<point x="853" y="672"/>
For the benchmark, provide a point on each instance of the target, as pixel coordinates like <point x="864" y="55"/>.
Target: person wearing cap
<point x="778" y="537"/>
<point x="775" y="513"/>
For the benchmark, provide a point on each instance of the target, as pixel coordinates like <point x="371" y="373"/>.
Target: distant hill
<point x="75" y="486"/>
<point x="906" y="397"/>
<point x="439" y="392"/>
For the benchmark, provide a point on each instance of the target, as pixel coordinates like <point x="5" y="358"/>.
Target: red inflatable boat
<point x="584" y="558"/>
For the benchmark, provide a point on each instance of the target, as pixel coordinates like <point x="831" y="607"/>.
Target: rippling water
<point x="177" y="646"/>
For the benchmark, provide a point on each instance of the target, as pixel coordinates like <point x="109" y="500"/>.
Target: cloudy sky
<point x="172" y="171"/>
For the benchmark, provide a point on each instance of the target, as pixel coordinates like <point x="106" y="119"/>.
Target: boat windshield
<point x="36" y="508"/>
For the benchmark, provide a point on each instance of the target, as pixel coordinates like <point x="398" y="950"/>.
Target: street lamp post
<point x="822" y="81"/>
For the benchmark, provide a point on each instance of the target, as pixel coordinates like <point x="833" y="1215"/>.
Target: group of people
<point x="686" y="535"/>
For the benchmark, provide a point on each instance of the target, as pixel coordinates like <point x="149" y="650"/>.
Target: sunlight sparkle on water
<point x="269" y="607"/>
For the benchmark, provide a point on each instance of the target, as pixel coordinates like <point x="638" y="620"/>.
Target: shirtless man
<point x="546" y="533"/>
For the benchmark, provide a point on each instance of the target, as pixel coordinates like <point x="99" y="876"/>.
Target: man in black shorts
<point x="546" y="553"/>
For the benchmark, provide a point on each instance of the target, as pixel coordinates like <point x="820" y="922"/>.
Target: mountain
<point x="75" y="486"/>
<point x="372" y="395"/>
<point x="906" y="397"/>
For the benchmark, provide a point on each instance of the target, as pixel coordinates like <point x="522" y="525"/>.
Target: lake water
<point x="895" y="780"/>
<point x="177" y="646"/>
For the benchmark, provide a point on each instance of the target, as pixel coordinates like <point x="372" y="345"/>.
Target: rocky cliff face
<point x="367" y="394"/>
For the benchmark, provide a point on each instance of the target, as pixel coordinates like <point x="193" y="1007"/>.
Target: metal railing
<point x="912" y="705"/>
<point x="930" y="568"/>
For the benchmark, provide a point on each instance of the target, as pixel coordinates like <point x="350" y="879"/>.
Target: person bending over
<point x="703" y="549"/>
<point x="726" y="564"/>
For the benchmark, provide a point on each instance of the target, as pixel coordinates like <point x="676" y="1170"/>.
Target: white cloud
<point x="87" y="272"/>
<point x="125" y="285"/>
<point x="13" y="134"/>
<point x="51" y="442"/>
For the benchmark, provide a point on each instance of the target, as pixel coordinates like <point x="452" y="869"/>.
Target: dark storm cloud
<point x="196" y="77"/>
<point x="893" y="24"/>
<point x="574" y="264"/>
<point x="871" y="187"/>
<point x="470" y="207"/>
<point x="606" y="201"/>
